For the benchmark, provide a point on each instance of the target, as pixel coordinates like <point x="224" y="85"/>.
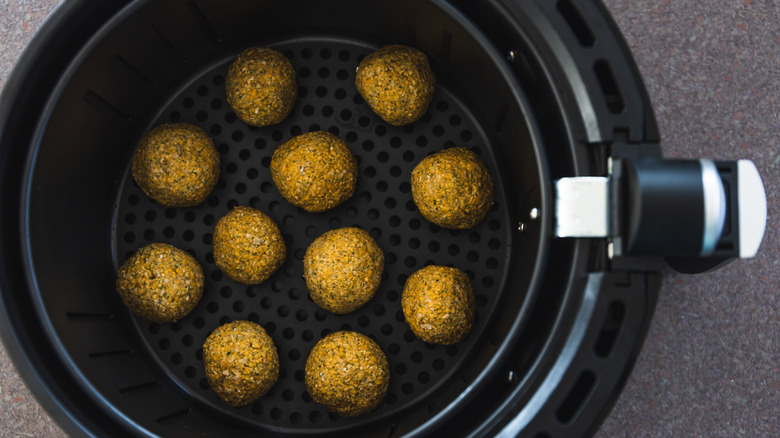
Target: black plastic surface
<point x="125" y="79"/>
<point x="129" y="74"/>
<point x="663" y="207"/>
<point x="727" y="248"/>
<point x="382" y="205"/>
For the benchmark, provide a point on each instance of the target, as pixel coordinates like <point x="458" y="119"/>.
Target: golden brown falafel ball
<point x="176" y="164"/>
<point x="260" y="86"/>
<point x="160" y="283"/>
<point x="342" y="269"/>
<point x="241" y="362"/>
<point x="315" y="171"/>
<point x="248" y="246"/>
<point x="452" y="188"/>
<point x="438" y="304"/>
<point x="347" y="372"/>
<point x="397" y="83"/>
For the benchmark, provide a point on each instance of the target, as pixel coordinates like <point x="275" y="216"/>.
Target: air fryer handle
<point x="697" y="213"/>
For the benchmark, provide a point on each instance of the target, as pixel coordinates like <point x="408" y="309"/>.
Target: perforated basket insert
<point x="382" y="205"/>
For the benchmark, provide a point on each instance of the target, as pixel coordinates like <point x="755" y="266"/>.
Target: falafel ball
<point x="315" y="171"/>
<point x="241" y="362"/>
<point x="160" y="283"/>
<point x="347" y="372"/>
<point x="342" y="269"/>
<point x="438" y="304"/>
<point x="260" y="86"/>
<point x="248" y="245"/>
<point x="452" y="188"/>
<point x="176" y="164"/>
<point x="397" y="83"/>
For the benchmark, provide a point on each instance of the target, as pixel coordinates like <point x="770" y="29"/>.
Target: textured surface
<point x="711" y="363"/>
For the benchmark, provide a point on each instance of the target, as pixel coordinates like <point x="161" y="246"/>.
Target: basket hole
<point x="610" y="328"/>
<point x="576" y="23"/>
<point x="579" y="394"/>
<point x="609" y="86"/>
<point x="390" y="258"/>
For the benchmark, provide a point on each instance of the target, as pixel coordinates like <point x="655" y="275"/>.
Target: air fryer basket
<point x="161" y="61"/>
<point x="544" y="91"/>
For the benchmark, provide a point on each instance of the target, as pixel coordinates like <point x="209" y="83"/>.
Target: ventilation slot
<point x="610" y="329"/>
<point x="203" y="22"/>
<point x="125" y="66"/>
<point x="609" y="87"/>
<point x="170" y="48"/>
<point x="576" y="23"/>
<point x="110" y="353"/>
<point x="577" y="397"/>
<point x="104" y="106"/>
<point x="173" y="416"/>
<point x="86" y="317"/>
<point x="136" y="388"/>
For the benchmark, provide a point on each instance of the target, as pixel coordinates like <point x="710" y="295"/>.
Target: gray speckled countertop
<point x="711" y="364"/>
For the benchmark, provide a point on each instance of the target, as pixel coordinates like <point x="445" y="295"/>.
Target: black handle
<point x="699" y="214"/>
<point x="665" y="208"/>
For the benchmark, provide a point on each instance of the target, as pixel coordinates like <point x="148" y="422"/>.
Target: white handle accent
<point x="752" y="208"/>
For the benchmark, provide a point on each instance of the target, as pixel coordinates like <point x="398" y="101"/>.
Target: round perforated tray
<point x="382" y="204"/>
